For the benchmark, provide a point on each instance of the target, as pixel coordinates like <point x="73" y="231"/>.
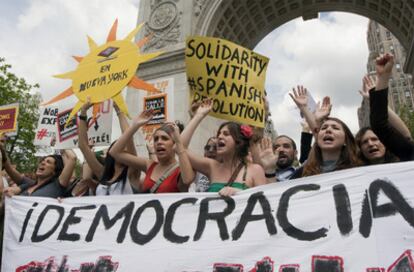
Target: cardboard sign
<point x="231" y="75"/>
<point x="99" y="129"/>
<point x="46" y="126"/>
<point x="158" y="103"/>
<point x="166" y="87"/>
<point x="361" y="219"/>
<point x="8" y="119"/>
<point x="66" y="128"/>
<point x="53" y="126"/>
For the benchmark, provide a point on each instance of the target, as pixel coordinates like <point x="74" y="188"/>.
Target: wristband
<point x="83" y="118"/>
<point x="272" y="175"/>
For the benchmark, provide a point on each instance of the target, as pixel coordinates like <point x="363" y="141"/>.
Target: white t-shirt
<point x="114" y="189"/>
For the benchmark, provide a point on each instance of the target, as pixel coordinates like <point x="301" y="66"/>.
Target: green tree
<point x="16" y="90"/>
<point x="407" y="115"/>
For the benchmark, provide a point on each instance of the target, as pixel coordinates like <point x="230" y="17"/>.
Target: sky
<point x="328" y="55"/>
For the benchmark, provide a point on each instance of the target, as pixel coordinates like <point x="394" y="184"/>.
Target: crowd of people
<point x="236" y="158"/>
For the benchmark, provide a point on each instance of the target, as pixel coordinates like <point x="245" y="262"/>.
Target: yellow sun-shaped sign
<point x="106" y="70"/>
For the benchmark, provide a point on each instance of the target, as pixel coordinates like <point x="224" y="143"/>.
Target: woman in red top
<point x="167" y="175"/>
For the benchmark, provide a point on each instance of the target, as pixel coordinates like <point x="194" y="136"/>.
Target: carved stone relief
<point x="164" y="24"/>
<point x="198" y="6"/>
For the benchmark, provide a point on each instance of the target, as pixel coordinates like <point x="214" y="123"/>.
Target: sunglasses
<point x="210" y="148"/>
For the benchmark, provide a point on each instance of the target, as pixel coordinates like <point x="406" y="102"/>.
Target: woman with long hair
<point x="166" y="175"/>
<point x="334" y="147"/>
<point x="114" y="177"/>
<point x="52" y="176"/>
<point x="371" y="149"/>
<point x="229" y="172"/>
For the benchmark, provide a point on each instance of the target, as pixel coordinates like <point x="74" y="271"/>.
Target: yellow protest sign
<point x="231" y="75"/>
<point x="106" y="70"/>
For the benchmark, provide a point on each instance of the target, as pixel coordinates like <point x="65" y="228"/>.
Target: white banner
<point x="354" y="220"/>
<point x="52" y="122"/>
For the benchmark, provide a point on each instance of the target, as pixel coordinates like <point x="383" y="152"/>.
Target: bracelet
<point x="83" y="118"/>
<point x="272" y="175"/>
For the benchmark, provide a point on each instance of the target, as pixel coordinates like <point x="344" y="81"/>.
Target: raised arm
<point x="94" y="164"/>
<point x="123" y="123"/>
<point x="389" y="136"/>
<point x="187" y="172"/>
<point x="199" y="163"/>
<point x="118" y="149"/>
<point x="201" y="112"/>
<point x="15" y="175"/>
<point x="305" y="142"/>
<point x="300" y="97"/>
<point x="134" y="174"/>
<point x="393" y="119"/>
<point x="322" y="111"/>
<point x="69" y="162"/>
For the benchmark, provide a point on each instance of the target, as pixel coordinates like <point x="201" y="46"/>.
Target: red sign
<point x="8" y="118"/>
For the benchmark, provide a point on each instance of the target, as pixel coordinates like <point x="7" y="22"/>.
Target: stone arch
<point x="246" y="22"/>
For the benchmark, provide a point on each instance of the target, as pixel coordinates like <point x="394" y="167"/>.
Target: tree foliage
<point x="407" y="116"/>
<point x="16" y="90"/>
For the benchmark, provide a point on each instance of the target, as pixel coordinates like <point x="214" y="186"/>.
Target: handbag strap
<point x="167" y="172"/>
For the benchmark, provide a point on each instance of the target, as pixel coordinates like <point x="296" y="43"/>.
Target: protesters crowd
<point x="238" y="157"/>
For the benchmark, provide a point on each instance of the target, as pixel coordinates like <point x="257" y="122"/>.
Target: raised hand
<point x="367" y="84"/>
<point x="193" y="108"/>
<point x="300" y="96"/>
<point x="205" y="107"/>
<point x="144" y="117"/>
<point x="267" y="157"/>
<point x="323" y="111"/>
<point x="86" y="106"/>
<point x="384" y="64"/>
